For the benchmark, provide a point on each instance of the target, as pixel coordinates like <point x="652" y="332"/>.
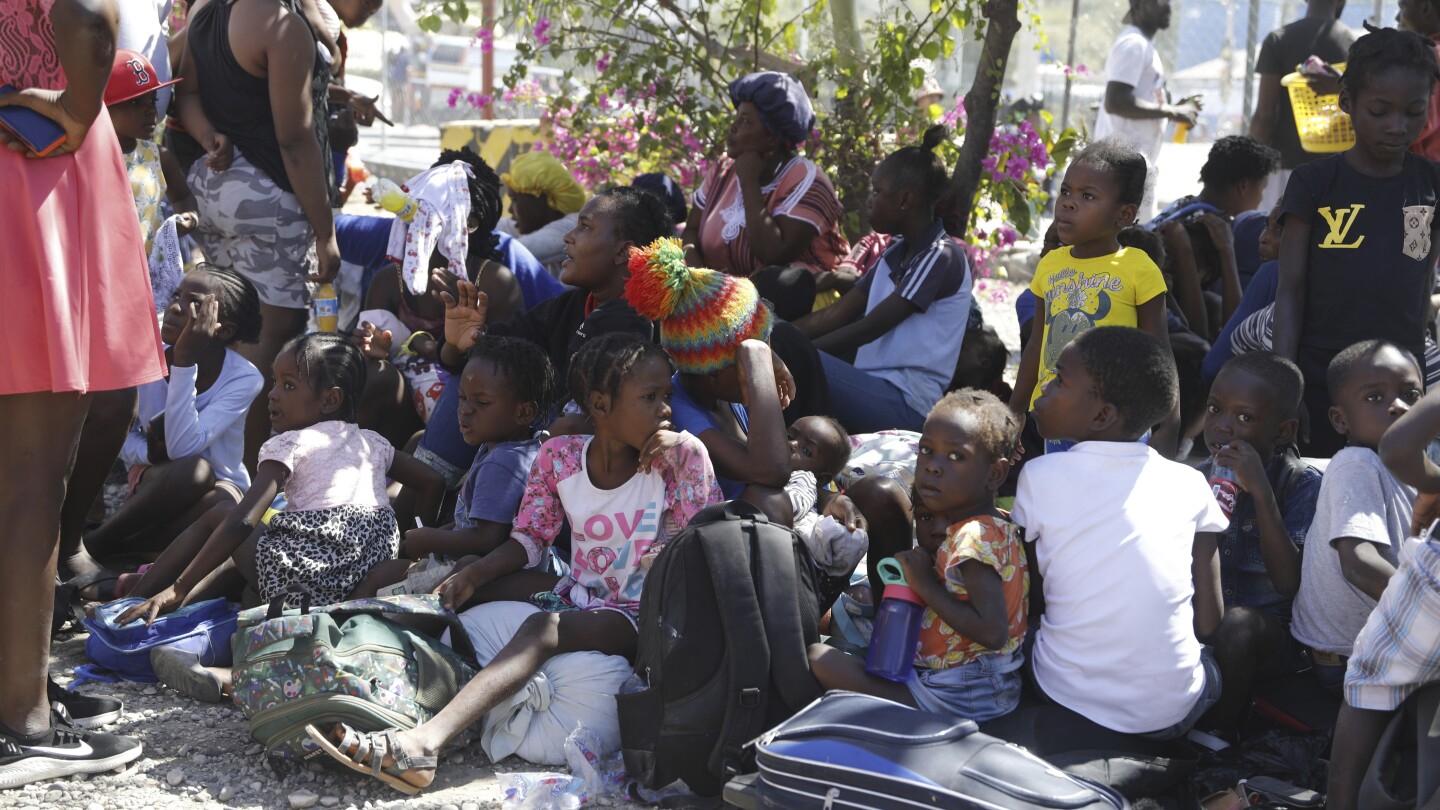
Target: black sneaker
<point x="62" y="751"/>
<point x="86" y="711"/>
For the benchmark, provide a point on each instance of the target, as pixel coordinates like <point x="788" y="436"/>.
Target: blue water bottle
<point x="897" y="626"/>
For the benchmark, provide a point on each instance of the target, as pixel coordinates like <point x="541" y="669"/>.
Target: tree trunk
<point x="1002" y="24"/>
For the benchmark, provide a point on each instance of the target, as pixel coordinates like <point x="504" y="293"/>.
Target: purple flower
<point x="542" y="26"/>
<point x="455" y="95"/>
<point x="603" y="64"/>
<point x="487" y="39"/>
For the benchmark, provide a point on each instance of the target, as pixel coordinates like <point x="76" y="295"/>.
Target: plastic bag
<point x="1297" y="757"/>
<point x="593" y="775"/>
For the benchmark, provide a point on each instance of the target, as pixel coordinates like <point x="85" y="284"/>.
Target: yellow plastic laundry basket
<point x="1322" y="125"/>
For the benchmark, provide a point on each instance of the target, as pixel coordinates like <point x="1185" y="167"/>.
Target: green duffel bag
<point x="348" y="662"/>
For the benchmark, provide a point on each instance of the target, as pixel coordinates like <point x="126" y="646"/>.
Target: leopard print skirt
<point x="324" y="552"/>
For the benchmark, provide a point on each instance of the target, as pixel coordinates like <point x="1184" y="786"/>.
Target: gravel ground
<point x="201" y="756"/>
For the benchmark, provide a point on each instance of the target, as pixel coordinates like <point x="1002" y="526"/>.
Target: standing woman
<point x="764" y="212"/>
<point x="255" y="97"/>
<point x="78" y="308"/>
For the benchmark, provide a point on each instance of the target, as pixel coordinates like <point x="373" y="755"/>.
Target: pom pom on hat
<point x="704" y="314"/>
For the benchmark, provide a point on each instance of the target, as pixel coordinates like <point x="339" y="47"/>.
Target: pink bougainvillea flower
<point x="603" y="63"/>
<point x="542" y="27"/>
<point x="455" y="96"/>
<point x="486" y="38"/>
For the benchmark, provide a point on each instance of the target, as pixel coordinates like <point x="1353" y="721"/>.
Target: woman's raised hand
<point x="464" y="315"/>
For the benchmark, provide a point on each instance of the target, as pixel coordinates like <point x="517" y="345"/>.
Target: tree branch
<point x="1003" y="23"/>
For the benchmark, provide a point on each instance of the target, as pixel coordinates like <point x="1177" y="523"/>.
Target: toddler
<point x="969" y="569"/>
<point x="1114" y="528"/>
<point x="1363" y="512"/>
<point x="505" y="390"/>
<point x="819" y="448"/>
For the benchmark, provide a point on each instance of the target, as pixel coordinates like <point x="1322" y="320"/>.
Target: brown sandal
<point x="370" y="750"/>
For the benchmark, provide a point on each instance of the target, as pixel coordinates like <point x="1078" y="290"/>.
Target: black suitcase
<point x="847" y="750"/>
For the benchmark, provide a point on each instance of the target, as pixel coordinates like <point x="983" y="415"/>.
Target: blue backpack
<point x="203" y="628"/>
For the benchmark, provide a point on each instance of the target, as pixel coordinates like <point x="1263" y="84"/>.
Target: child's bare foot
<point x="404" y="765"/>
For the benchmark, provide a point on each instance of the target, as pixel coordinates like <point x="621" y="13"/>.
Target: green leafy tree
<point x="656" y="72"/>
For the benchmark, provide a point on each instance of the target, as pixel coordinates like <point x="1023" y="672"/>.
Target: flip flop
<point x="371" y="748"/>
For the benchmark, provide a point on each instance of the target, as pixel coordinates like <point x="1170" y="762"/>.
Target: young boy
<point x="1113" y="523"/>
<point x="1251" y="418"/>
<point x="1364" y="511"/>
<point x="1397" y="652"/>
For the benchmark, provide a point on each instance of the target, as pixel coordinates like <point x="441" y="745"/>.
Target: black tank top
<point x="238" y="104"/>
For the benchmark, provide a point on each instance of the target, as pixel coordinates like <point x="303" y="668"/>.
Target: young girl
<point x="185" y="452"/>
<point x="971" y="576"/>
<point x="337" y="524"/>
<point x="1091" y="281"/>
<point x="505" y="391"/>
<point x="1358" y="251"/>
<point x="897" y="322"/>
<point x="625" y="491"/>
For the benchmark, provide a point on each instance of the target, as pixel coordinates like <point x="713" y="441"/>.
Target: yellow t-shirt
<point x="1077" y="295"/>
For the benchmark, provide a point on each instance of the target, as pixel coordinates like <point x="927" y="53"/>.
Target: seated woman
<point x="730" y="389"/>
<point x="763" y="212"/>
<point x="399" y="328"/>
<point x="902" y="323"/>
<point x="184" y="453"/>
<point x="545" y="202"/>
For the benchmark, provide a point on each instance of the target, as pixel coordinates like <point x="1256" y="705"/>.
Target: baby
<point x="819" y="448"/>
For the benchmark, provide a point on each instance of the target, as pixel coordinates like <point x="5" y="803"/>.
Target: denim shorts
<point x="983" y="689"/>
<point x="1209" y="693"/>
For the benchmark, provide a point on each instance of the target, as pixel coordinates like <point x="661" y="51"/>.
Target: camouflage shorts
<point x="251" y="225"/>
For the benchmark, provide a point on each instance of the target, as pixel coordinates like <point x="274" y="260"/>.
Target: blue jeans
<point x="982" y="689"/>
<point x="865" y="403"/>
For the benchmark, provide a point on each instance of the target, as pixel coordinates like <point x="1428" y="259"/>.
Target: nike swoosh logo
<point x="82" y="749"/>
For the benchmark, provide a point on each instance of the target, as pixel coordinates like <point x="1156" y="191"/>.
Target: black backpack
<point x="727" y="613"/>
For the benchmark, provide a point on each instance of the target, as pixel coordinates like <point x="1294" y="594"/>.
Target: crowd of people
<point x="1210" y="471"/>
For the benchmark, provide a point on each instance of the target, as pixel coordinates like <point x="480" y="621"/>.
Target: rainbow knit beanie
<point x="704" y="315"/>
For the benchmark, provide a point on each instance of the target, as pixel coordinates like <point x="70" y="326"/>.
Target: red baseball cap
<point x="131" y="76"/>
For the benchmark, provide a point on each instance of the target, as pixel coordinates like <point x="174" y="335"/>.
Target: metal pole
<point x="1069" y="63"/>
<point x="1379" y="13"/>
<point x="1252" y="32"/>
<point x="385" y="67"/>
<point x="487" y="61"/>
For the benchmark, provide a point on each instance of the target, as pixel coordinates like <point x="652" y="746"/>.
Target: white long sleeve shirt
<point x="209" y="424"/>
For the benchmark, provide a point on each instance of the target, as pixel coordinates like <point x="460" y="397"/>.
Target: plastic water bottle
<point x="897" y="627"/>
<point x="1225" y="488"/>
<point x="327" y="308"/>
<point x="393" y="198"/>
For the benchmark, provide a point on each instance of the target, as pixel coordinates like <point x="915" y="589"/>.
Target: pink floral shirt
<point x="611" y="530"/>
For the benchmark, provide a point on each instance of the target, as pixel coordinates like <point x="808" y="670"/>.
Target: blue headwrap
<point x="784" y="107"/>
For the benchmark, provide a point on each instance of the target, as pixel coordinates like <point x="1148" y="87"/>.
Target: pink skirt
<point x="75" y="304"/>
